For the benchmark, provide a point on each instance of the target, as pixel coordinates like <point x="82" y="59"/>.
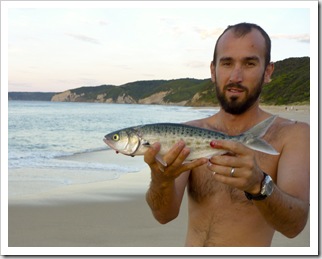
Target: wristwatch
<point x="267" y="188"/>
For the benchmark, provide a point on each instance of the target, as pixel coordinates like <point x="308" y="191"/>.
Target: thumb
<point x="150" y="154"/>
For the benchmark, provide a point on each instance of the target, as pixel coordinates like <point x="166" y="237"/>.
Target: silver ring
<point x="232" y="171"/>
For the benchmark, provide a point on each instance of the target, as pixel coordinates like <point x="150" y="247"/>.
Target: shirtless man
<point x="220" y="214"/>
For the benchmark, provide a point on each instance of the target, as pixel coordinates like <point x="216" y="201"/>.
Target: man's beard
<point x="232" y="105"/>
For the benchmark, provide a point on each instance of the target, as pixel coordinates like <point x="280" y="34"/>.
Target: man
<point x="238" y="199"/>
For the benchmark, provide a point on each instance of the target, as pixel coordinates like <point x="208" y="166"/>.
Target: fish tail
<point x="254" y="135"/>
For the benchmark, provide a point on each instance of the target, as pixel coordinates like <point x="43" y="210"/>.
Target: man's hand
<point x="168" y="180"/>
<point x="239" y="169"/>
<point x="173" y="162"/>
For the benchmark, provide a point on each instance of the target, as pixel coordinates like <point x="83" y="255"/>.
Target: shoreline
<point x="110" y="213"/>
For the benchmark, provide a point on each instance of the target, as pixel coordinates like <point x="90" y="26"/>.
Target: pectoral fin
<point x="159" y="158"/>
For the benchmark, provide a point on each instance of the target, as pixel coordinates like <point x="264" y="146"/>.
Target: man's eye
<point x="250" y="64"/>
<point x="226" y="64"/>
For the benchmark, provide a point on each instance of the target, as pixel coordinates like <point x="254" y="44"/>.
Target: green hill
<point x="30" y="96"/>
<point x="290" y="82"/>
<point x="290" y="85"/>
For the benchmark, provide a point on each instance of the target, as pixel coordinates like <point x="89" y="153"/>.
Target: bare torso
<point x="220" y="215"/>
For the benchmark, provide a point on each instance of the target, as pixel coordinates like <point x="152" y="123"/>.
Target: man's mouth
<point x="235" y="89"/>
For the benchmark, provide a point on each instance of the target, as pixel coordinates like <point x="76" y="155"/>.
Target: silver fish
<point x="136" y="140"/>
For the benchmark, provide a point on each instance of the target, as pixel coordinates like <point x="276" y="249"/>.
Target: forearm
<point x="285" y="213"/>
<point x="163" y="201"/>
<point x="168" y="185"/>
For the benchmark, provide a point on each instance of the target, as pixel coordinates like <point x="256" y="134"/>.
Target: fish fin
<point x="146" y="143"/>
<point x="159" y="158"/>
<point x="254" y="134"/>
<point x="260" y="129"/>
<point x="262" y="146"/>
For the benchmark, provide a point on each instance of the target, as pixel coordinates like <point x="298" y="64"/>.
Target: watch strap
<point x="257" y="197"/>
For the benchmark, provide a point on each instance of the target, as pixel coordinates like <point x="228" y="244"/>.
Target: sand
<point x="110" y="214"/>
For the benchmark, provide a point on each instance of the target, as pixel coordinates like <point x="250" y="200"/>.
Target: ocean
<point x="43" y="135"/>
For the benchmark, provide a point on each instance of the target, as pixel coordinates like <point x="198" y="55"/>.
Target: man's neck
<point x="236" y="124"/>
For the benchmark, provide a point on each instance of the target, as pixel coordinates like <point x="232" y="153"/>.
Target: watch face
<point x="267" y="186"/>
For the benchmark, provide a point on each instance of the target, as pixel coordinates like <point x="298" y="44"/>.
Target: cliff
<point x="290" y="85"/>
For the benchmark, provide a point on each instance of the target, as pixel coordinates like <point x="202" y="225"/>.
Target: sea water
<point x="40" y="134"/>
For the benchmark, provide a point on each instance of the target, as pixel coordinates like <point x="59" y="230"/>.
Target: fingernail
<point x="180" y="143"/>
<point x="213" y="144"/>
<point x="186" y="151"/>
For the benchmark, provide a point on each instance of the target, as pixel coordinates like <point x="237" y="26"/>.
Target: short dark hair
<point x="240" y="30"/>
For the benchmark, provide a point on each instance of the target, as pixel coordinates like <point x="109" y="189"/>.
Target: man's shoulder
<point x="289" y="124"/>
<point x="288" y="130"/>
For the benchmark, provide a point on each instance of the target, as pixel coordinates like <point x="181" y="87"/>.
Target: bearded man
<point x="243" y="197"/>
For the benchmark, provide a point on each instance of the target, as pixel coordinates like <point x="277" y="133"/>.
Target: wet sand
<point x="109" y="214"/>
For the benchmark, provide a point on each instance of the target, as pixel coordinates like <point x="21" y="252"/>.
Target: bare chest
<point x="202" y="184"/>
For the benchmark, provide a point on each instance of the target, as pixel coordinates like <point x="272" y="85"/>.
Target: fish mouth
<point x="111" y="146"/>
<point x="108" y="143"/>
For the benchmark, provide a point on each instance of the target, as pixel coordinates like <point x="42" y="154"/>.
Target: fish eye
<point x="116" y="137"/>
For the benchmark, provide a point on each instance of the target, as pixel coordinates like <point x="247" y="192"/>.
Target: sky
<point x="53" y="48"/>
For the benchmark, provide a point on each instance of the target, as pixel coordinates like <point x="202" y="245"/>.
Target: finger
<point x="232" y="181"/>
<point x="231" y="146"/>
<point x="181" y="157"/>
<point x="196" y="163"/>
<point x="225" y="160"/>
<point x="227" y="171"/>
<point x="150" y="154"/>
<point x="174" y="152"/>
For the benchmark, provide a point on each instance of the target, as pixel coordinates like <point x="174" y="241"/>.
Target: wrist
<point x="161" y="182"/>
<point x="256" y="190"/>
<point x="267" y="187"/>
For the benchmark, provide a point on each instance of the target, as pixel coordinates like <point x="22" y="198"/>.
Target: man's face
<point x="240" y="72"/>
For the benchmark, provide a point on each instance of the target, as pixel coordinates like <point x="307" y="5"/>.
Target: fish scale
<point x="137" y="140"/>
<point x="197" y="139"/>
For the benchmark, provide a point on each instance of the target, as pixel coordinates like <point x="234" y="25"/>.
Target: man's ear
<point x="213" y="72"/>
<point x="268" y="72"/>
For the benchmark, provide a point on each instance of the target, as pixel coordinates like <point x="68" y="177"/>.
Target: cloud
<point x="208" y="33"/>
<point x="103" y="23"/>
<point x="172" y="26"/>
<point x="305" y="37"/>
<point x="196" y="64"/>
<point x="83" y="38"/>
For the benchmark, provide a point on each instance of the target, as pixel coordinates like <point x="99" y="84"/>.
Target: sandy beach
<point x="110" y="213"/>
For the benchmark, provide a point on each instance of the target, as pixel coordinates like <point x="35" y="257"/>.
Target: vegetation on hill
<point x="290" y="85"/>
<point x="30" y="96"/>
<point x="290" y="82"/>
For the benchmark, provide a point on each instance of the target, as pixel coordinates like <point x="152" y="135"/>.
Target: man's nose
<point x="236" y="75"/>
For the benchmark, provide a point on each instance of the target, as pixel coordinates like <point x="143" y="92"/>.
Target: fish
<point x="135" y="141"/>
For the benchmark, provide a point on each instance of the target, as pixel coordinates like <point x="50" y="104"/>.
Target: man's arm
<point x="288" y="206"/>
<point x="286" y="210"/>
<point x="168" y="183"/>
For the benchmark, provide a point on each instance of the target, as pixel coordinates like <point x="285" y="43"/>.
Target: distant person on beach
<point x="241" y="198"/>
